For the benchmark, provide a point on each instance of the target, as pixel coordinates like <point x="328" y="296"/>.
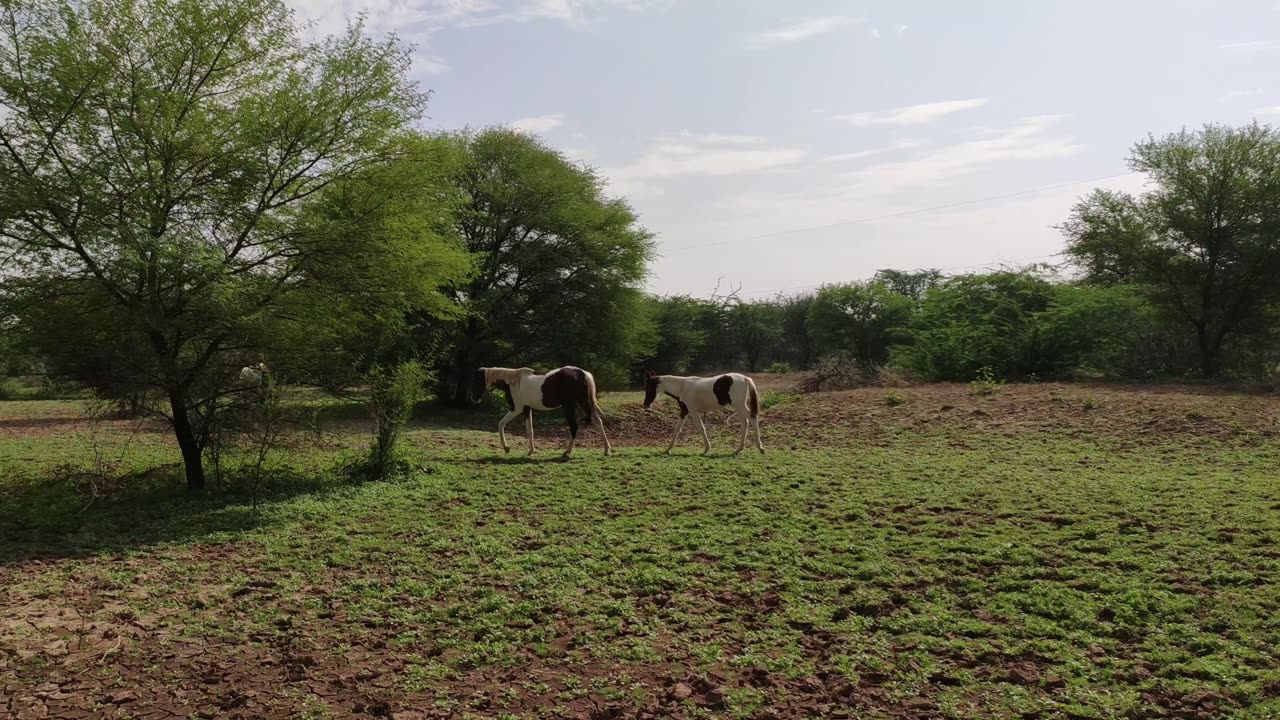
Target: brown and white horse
<point x="568" y="387"/>
<point x="699" y="395"/>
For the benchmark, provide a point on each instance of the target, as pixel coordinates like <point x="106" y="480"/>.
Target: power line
<point x="903" y="213"/>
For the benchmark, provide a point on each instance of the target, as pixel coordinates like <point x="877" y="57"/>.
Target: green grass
<point x="942" y="573"/>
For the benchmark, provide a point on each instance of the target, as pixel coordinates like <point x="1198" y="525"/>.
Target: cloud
<point x="922" y="114"/>
<point x="1033" y="138"/>
<point x="860" y="154"/>
<point x="796" y="32"/>
<point x="420" y="18"/>
<point x="901" y="30"/>
<point x="1252" y="46"/>
<point x="1275" y="110"/>
<point x="687" y="154"/>
<point x="875" y="33"/>
<point x="539" y="123"/>
<point x="1233" y="95"/>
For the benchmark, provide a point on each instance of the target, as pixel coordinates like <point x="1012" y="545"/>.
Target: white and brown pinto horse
<point x="700" y="395"/>
<point x="569" y="388"/>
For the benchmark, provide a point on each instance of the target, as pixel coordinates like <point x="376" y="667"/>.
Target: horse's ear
<point x="648" y="374"/>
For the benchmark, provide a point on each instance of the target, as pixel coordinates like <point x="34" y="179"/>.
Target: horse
<point x="252" y="374"/>
<point x="567" y="387"/>
<point x="698" y="395"/>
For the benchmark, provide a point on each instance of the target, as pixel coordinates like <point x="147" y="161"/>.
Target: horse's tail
<point x="753" y="399"/>
<point x="593" y="403"/>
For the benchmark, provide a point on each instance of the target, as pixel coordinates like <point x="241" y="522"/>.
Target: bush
<point x="779" y="368"/>
<point x="985" y="384"/>
<point x="393" y="393"/>
<point x="863" y="320"/>
<point x="893" y="398"/>
<point x="976" y="321"/>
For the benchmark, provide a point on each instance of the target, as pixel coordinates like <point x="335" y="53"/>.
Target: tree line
<point x="190" y="187"/>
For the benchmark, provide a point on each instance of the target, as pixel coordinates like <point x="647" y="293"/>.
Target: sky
<point x="776" y="145"/>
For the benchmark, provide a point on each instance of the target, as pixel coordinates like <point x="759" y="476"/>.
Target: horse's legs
<point x="756" y="421"/>
<point x="676" y="434"/>
<point x="502" y="428"/>
<point x="571" y="416"/>
<point x="599" y="423"/>
<point x="746" y="425"/>
<point x="528" y="427"/>
<point x="706" y="439"/>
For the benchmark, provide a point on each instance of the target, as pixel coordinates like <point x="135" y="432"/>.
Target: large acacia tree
<point x="558" y="264"/>
<point x="1205" y="240"/>
<point x="155" y="160"/>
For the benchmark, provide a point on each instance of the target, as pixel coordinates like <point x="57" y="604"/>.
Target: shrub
<point x="985" y="384"/>
<point x="393" y="393"/>
<point x="780" y="368"/>
<point x="893" y="398"/>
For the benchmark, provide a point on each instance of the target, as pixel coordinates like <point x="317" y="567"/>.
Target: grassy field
<point x="1048" y="551"/>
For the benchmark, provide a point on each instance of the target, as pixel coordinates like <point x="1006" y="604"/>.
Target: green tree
<point x="755" y="329"/>
<point x="863" y="319"/>
<point x="154" y="159"/>
<point x="972" y="322"/>
<point x="1205" y="239"/>
<point x="912" y="283"/>
<point x="1094" y="330"/>
<point x="681" y="338"/>
<point x="558" y="264"/>
<point x="797" y="345"/>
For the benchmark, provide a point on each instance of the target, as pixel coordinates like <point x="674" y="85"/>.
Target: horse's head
<point x="652" y="383"/>
<point x="479" y="385"/>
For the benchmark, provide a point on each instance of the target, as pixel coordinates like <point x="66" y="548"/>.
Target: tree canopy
<point x="1205" y="239"/>
<point x="558" y="263"/>
<point x="158" y="161"/>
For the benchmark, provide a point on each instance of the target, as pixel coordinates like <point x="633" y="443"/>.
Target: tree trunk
<point x="1208" y="353"/>
<point x="461" y="379"/>
<point x="192" y="459"/>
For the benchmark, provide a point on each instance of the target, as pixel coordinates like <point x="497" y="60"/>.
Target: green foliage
<point x="755" y="328"/>
<point x="682" y="327"/>
<point x="894" y="398"/>
<point x="862" y="319"/>
<point x="1205" y="240"/>
<point x="393" y="393"/>
<point x="558" y="263"/>
<point x="779" y="368"/>
<point x="1099" y="331"/>
<point x="159" y="155"/>
<point x="985" y="384"/>
<point x="911" y="283"/>
<point x="772" y="398"/>
<point x="976" y="321"/>
<point x="797" y="345"/>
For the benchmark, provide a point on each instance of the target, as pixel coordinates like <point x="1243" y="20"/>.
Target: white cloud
<point x="419" y="18"/>
<point x="1233" y="95"/>
<point x="1268" y="111"/>
<point x="901" y="29"/>
<point x="1252" y="46"/>
<point x="921" y="114"/>
<point x="860" y="154"/>
<point x="796" y="32"/>
<point x="539" y="124"/>
<point x="686" y="154"/>
<point x="1032" y="138"/>
<point x="875" y="33"/>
